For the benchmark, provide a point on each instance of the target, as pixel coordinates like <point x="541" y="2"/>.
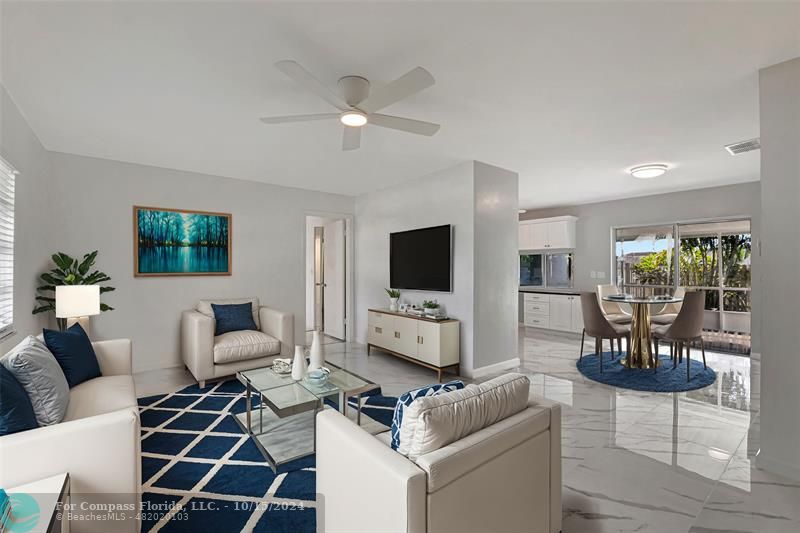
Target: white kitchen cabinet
<point x="547" y="233"/>
<point x="560" y="312"/>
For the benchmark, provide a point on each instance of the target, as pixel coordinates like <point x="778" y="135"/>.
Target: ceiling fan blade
<point x="404" y="124"/>
<point x="351" y="138"/>
<point x="298" y="118"/>
<point x="308" y="81"/>
<point x="409" y="83"/>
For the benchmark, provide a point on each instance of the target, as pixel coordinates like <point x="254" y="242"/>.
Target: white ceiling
<point x="569" y="95"/>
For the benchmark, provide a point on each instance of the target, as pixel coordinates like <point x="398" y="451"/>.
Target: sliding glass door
<point x="711" y="256"/>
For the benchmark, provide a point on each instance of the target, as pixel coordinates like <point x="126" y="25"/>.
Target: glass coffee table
<point x="283" y="423"/>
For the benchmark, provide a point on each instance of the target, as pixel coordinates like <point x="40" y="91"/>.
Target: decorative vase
<point x="393" y="304"/>
<point x="317" y="353"/>
<point x="299" y="366"/>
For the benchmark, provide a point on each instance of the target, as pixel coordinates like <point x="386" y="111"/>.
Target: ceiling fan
<point x="357" y="107"/>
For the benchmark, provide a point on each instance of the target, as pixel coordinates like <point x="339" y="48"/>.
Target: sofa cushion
<point x="39" y="374"/>
<point x="204" y="306"/>
<point x="101" y="395"/>
<point x="233" y="317"/>
<point x="244" y="345"/>
<point x="74" y="353"/>
<point x="407" y="399"/>
<point x="16" y="411"/>
<point x="435" y="421"/>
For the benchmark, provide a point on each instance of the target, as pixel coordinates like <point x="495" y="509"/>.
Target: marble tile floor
<point x="632" y="461"/>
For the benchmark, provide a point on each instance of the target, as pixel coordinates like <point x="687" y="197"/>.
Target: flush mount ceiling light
<point x="648" y="171"/>
<point x="353" y="119"/>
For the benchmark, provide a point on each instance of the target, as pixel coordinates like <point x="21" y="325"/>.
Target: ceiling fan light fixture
<point x="648" y="171"/>
<point x="354" y="119"/>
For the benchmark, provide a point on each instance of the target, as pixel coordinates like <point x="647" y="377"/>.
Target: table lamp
<point x="77" y="302"/>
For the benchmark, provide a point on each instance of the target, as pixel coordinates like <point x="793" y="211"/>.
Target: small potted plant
<point x="431" y="307"/>
<point x="394" y="296"/>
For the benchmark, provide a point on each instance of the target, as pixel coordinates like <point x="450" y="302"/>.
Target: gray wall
<point x="593" y="250"/>
<point x="496" y="268"/>
<point x="780" y="196"/>
<point x="95" y="201"/>
<point x="444" y="197"/>
<point x="33" y="215"/>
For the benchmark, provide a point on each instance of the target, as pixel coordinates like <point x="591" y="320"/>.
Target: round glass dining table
<point x="640" y="351"/>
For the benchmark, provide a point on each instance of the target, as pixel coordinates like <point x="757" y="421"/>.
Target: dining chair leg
<point x="583" y="338"/>
<point x="703" y="350"/>
<point x="619" y="346"/>
<point x="688" y="362"/>
<point x="677" y="348"/>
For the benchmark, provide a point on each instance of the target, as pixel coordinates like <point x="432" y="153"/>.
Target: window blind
<point x="7" y="176"/>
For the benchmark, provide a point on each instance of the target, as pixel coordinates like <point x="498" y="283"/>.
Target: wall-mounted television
<point x="422" y="259"/>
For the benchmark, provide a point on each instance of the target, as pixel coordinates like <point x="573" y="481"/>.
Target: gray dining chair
<point x="595" y="324"/>
<point x="667" y="314"/>
<point x="687" y="328"/>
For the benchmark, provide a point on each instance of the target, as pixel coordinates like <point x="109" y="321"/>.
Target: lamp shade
<point x="77" y="300"/>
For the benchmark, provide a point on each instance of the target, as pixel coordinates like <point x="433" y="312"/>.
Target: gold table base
<point x="640" y="351"/>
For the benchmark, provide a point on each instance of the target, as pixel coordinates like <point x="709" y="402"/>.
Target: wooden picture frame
<point x="205" y="242"/>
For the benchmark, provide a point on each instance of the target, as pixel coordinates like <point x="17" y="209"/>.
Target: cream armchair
<point x="505" y="477"/>
<point x="209" y="357"/>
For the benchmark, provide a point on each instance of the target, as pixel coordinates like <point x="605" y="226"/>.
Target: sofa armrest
<point x="115" y="357"/>
<point x="101" y="454"/>
<point x="197" y="344"/>
<point x="280" y="325"/>
<point x="349" y="460"/>
<point x="555" y="459"/>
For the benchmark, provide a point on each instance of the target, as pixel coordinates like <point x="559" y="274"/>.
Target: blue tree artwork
<point x="174" y="242"/>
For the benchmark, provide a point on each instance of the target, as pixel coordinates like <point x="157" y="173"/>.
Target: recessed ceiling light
<point x="648" y="171"/>
<point x="354" y="119"/>
<point x="523" y="211"/>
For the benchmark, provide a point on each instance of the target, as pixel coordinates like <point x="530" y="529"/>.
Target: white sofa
<point x="97" y="443"/>
<point x="505" y="477"/>
<point x="210" y="357"/>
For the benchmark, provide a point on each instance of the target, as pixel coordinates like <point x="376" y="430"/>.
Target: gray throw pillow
<point x="42" y="378"/>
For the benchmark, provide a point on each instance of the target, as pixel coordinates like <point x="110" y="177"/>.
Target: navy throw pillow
<point x="233" y="317"/>
<point x="16" y="410"/>
<point x="74" y="353"/>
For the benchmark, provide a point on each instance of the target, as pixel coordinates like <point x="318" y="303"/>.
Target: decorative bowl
<point x="281" y="366"/>
<point x="317" y="377"/>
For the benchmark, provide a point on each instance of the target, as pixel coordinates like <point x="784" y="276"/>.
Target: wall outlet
<point x="593" y="274"/>
<point x="601" y="275"/>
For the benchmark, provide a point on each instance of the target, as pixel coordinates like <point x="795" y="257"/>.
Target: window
<point x="7" y="174"/>
<point x="546" y="270"/>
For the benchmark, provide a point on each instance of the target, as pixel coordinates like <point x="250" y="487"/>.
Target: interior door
<point x="334" y="275"/>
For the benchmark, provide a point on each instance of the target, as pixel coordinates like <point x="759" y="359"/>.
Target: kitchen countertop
<point x="545" y="290"/>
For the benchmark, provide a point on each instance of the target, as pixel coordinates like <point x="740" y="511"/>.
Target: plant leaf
<point x="46" y="299"/>
<point x="43" y="309"/>
<point x="62" y="260"/>
<point x="88" y="261"/>
<point x="105" y="307"/>
<point x="107" y="289"/>
<point x="46" y="288"/>
<point x="49" y="278"/>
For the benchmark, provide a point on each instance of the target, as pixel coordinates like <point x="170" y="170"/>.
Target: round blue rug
<point x="666" y="379"/>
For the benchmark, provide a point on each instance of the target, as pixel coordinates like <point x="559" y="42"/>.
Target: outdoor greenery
<point x="69" y="271"/>
<point x="699" y="267"/>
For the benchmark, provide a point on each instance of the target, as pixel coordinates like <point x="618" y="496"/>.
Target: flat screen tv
<point x="421" y="259"/>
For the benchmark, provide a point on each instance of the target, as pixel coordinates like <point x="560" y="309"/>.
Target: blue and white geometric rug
<point x="201" y="472"/>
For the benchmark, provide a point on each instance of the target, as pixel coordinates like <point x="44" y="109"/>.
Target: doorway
<point x="326" y="277"/>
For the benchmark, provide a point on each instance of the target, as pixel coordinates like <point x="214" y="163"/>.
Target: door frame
<point x="349" y="261"/>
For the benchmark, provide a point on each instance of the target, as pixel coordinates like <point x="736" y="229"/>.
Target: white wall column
<point x="780" y="263"/>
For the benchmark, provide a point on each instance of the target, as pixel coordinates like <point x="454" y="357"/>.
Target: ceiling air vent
<point x="743" y="146"/>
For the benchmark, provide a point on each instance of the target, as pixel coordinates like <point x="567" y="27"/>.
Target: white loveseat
<point x="97" y="443"/>
<point x="505" y="477"/>
<point x="209" y="357"/>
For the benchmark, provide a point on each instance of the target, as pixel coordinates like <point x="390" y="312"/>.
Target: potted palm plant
<point x="394" y="297"/>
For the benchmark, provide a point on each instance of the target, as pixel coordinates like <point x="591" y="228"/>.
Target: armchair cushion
<point x="74" y="353"/>
<point x="233" y="317"/>
<point x="204" y="306"/>
<point x="244" y="345"/>
<point x="436" y="421"/>
<point x="101" y="395"/>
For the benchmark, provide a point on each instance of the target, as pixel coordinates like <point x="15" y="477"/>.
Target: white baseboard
<point x="779" y="467"/>
<point x="491" y="369"/>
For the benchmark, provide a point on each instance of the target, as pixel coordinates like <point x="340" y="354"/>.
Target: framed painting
<point x="176" y="242"/>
